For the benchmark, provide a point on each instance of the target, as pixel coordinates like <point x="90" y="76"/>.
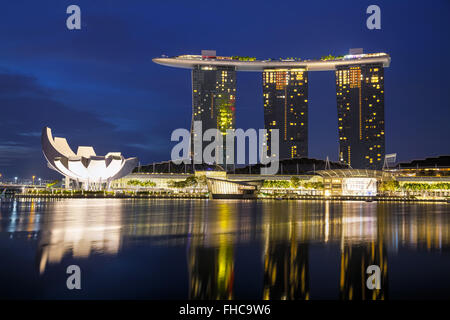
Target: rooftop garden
<point x="242" y="58"/>
<point x="331" y="57"/>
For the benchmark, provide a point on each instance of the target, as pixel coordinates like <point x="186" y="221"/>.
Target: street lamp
<point x="33" y="179"/>
<point x="15" y="180"/>
<point x="39" y="181"/>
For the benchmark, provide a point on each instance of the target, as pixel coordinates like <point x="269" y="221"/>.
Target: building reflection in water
<point x="364" y="231"/>
<point x="211" y="254"/>
<point x="28" y="226"/>
<point x="289" y="231"/>
<point x="210" y="230"/>
<point x="362" y="245"/>
<point x="286" y="264"/>
<point x="80" y="227"/>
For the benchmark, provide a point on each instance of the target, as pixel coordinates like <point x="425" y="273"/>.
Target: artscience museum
<point x="84" y="169"/>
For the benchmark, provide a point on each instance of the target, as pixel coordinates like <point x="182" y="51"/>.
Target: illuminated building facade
<point x="85" y="168"/>
<point x="233" y="189"/>
<point x="360" y="105"/>
<point x="429" y="167"/>
<point x="285" y="93"/>
<point x="359" y="88"/>
<point x="213" y="99"/>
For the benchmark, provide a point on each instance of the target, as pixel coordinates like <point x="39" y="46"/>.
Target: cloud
<point x="28" y="106"/>
<point x="30" y="134"/>
<point x="10" y="152"/>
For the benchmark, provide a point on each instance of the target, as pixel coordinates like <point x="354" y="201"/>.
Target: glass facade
<point x="360" y="106"/>
<point x="285" y="93"/>
<point x="213" y="99"/>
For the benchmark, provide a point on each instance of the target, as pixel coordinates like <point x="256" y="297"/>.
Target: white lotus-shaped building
<point x="85" y="166"/>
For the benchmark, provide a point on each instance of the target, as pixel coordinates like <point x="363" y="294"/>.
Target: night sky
<point x="98" y="86"/>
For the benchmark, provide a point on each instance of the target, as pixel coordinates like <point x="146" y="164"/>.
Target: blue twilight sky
<point x="98" y="86"/>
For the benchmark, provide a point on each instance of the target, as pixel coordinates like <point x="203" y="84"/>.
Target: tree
<point x="191" y="181"/>
<point x="133" y="182"/>
<point x="295" y="182"/>
<point x="201" y="181"/>
<point x="314" y="185"/>
<point x="139" y="183"/>
<point x="391" y="185"/>
<point x="282" y="184"/>
<point x="149" y="183"/>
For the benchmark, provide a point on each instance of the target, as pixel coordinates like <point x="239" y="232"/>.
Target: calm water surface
<point x="203" y="249"/>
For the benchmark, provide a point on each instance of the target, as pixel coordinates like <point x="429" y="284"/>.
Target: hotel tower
<point x="360" y="108"/>
<point x="213" y="100"/>
<point x="359" y="94"/>
<point x="285" y="93"/>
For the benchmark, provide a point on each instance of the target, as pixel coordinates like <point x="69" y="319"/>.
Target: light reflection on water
<point x="284" y="240"/>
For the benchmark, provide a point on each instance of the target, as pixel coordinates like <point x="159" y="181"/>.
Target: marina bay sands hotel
<point x="359" y="96"/>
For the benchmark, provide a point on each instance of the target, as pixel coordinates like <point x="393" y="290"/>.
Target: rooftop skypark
<point x="359" y="97"/>
<point x="246" y="63"/>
